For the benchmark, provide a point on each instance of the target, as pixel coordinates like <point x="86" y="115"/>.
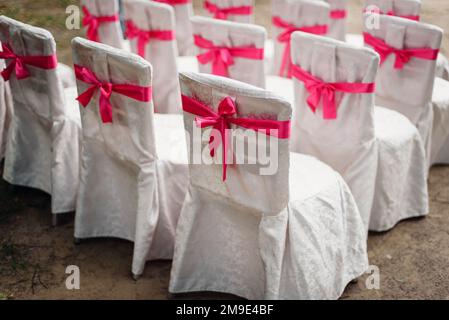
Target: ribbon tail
<point x="21" y="70"/>
<point x="398" y="62"/>
<point x="85" y="97"/>
<point x="6" y="73"/>
<point x="105" y="109"/>
<point x="219" y="68"/>
<point x="141" y="43"/>
<point x="329" y="108"/>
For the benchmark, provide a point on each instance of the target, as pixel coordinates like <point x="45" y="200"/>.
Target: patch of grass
<point x="12" y="259"/>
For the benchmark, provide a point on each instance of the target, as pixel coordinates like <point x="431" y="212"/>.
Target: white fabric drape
<point x="151" y="15"/>
<point x="233" y="34"/>
<point x="43" y="143"/>
<point x="6" y="109"/>
<point x="133" y="170"/>
<point x="109" y="32"/>
<point x="296" y="234"/>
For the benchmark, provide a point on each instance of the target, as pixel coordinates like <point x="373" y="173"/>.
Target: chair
<point x="230" y="49"/>
<point x="42" y="150"/>
<point x="184" y="34"/>
<point x="102" y="23"/>
<point x="232" y="10"/>
<point x="133" y="163"/>
<point x="378" y="152"/>
<point x="5" y="111"/>
<point x="151" y="30"/>
<point x="284" y="227"/>
<point x="407" y="9"/>
<point x="338" y="16"/>
<point x="406" y="78"/>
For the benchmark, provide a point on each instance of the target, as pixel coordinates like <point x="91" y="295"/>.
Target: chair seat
<point x="440" y="131"/>
<point x="401" y="188"/>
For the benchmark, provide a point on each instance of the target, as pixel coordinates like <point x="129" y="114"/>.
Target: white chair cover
<point x="440" y="125"/>
<point x="184" y="35"/>
<point x="151" y="15"/>
<point x="408" y="90"/>
<point x="224" y="4"/>
<point x="43" y="143"/>
<point x="300" y="13"/>
<point x="233" y="34"/>
<point x="337" y="25"/>
<point x="109" y="32"/>
<point x="5" y="112"/>
<point x="132" y="183"/>
<point x="347" y="143"/>
<point x="296" y="234"/>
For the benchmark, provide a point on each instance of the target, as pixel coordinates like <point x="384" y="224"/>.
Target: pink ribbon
<point x="18" y="63"/>
<point x="221" y="121"/>
<point x="174" y="2"/>
<point x="222" y="57"/>
<point x="392" y="13"/>
<point x="106" y="88"/>
<point x="144" y="36"/>
<point x="92" y="23"/>
<point x="285" y="37"/>
<point x="325" y="91"/>
<point x="222" y="13"/>
<point x="402" y="55"/>
<point x="338" y="14"/>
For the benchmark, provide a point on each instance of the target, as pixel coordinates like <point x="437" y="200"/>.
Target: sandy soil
<point x="413" y="258"/>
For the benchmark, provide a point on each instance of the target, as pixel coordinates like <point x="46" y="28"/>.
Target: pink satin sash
<point x="402" y="55"/>
<point x="145" y="36"/>
<point x="18" y="63"/>
<point x="174" y="2"/>
<point x="285" y="37"/>
<point x="222" y="13"/>
<point x="106" y="88"/>
<point x="338" y="14"/>
<point x="221" y="121"/>
<point x="222" y="57"/>
<point x="325" y="91"/>
<point x="92" y="23"/>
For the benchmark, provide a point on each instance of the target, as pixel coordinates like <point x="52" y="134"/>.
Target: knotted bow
<point x="285" y="37"/>
<point x="338" y="14"/>
<point x="106" y="88"/>
<point x="226" y="115"/>
<point x="92" y="23"/>
<point x="222" y="13"/>
<point x="320" y="90"/>
<point x="18" y="63"/>
<point x="144" y="36"/>
<point x="402" y="55"/>
<point x="222" y="57"/>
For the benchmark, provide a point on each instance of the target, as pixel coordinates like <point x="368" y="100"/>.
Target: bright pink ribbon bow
<point x="106" y="88"/>
<point x="221" y="121"/>
<point x="145" y="36"/>
<point x="92" y="23"/>
<point x="325" y="91"/>
<point x="394" y="14"/>
<point x="222" y="57"/>
<point x="285" y="37"/>
<point x="174" y="2"/>
<point x="338" y="14"/>
<point x="222" y="13"/>
<point x="18" y="63"/>
<point x="402" y="55"/>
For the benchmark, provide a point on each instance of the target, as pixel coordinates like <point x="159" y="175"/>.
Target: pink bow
<point x="18" y="63"/>
<point x="174" y="2"/>
<point x="106" y="88"/>
<point x="92" y="22"/>
<point x="285" y="37"/>
<point x="144" y="36"/>
<point x="338" y="14"/>
<point x="320" y="90"/>
<point x="222" y="13"/>
<point x="222" y="57"/>
<point x="402" y="55"/>
<point x="221" y="121"/>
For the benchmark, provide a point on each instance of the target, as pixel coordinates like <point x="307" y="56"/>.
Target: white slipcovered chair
<point x="378" y="152"/>
<point x="409" y="89"/>
<point x="338" y="16"/>
<point x="232" y="10"/>
<point x="42" y="150"/>
<point x="184" y="34"/>
<point x="102" y="22"/>
<point x="239" y="45"/>
<point x="151" y="30"/>
<point x="294" y="233"/>
<point x="6" y="108"/>
<point x="133" y="163"/>
<point x="407" y="9"/>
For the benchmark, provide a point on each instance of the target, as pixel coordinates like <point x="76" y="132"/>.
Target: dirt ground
<point x="413" y="258"/>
